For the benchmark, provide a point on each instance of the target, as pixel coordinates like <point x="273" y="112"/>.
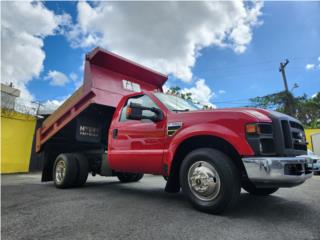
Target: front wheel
<point x="210" y="180"/>
<point x="129" y="177"/>
<point x="252" y="189"/>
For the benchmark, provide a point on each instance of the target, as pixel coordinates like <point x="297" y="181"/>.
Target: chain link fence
<point x="21" y="106"/>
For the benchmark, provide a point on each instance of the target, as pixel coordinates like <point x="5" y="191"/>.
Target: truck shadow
<point x="271" y="207"/>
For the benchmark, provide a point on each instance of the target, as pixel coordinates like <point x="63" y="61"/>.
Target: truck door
<point x="137" y="145"/>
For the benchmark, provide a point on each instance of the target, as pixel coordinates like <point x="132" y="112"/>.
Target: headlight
<point x="260" y="138"/>
<point x="258" y="128"/>
<point x="252" y="128"/>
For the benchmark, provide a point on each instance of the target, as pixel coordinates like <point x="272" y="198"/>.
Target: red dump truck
<point x="120" y="123"/>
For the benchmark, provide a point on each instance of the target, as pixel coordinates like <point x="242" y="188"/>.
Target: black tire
<point x="82" y="169"/>
<point x="138" y="177"/>
<point x="227" y="178"/>
<point x="70" y="174"/>
<point x="252" y="189"/>
<point x="129" y="177"/>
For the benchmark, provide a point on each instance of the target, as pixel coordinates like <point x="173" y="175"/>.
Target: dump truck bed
<point x="107" y="78"/>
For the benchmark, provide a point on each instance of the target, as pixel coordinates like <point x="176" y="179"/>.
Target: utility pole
<point x="289" y="103"/>
<point x="283" y="71"/>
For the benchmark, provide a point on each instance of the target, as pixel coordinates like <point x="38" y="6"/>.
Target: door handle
<point x="115" y="133"/>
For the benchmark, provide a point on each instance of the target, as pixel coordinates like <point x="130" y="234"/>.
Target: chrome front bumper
<point x="278" y="171"/>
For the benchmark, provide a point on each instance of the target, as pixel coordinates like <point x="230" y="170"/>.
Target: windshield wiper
<point x="181" y="110"/>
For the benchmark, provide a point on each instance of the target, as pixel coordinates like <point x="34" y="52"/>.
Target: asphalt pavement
<point x="107" y="209"/>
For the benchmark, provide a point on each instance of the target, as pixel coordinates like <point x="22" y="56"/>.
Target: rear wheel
<point x="65" y="171"/>
<point x="210" y="180"/>
<point x="129" y="177"/>
<point x="82" y="169"/>
<point x="252" y="189"/>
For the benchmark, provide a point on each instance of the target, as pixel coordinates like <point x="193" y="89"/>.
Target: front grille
<point x="296" y="125"/>
<point x="293" y="134"/>
<point x="298" y="136"/>
<point x="286" y="134"/>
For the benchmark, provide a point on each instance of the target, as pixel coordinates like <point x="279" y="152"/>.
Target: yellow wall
<point x="17" y="132"/>
<point x="309" y="132"/>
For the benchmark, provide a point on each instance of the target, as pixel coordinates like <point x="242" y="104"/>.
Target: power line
<point x="229" y="66"/>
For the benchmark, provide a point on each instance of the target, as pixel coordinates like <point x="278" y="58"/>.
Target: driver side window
<point x="144" y="100"/>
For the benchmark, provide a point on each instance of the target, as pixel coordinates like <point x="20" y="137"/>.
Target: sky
<point x="222" y="52"/>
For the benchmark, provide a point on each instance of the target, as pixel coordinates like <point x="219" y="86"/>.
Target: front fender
<point x="208" y="129"/>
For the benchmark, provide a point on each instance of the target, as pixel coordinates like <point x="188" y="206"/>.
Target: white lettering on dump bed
<point x="131" y="86"/>
<point x="89" y="131"/>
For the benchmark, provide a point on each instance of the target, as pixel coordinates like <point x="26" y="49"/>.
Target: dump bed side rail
<point x="66" y="113"/>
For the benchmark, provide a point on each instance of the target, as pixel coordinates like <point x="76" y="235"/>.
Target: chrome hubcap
<point x="60" y="171"/>
<point x="204" y="181"/>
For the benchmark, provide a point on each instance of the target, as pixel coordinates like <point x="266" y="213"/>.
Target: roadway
<point x="107" y="209"/>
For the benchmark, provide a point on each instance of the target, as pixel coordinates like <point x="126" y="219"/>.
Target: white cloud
<point x="201" y="92"/>
<point x="310" y="66"/>
<point x="166" y="36"/>
<point x="313" y="66"/>
<point x="50" y="106"/>
<point x="57" y="78"/>
<point x="222" y="92"/>
<point x="73" y="76"/>
<point x="24" y="25"/>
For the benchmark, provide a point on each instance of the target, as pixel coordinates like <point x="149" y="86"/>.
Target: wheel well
<point x="203" y="141"/>
<point x="50" y="153"/>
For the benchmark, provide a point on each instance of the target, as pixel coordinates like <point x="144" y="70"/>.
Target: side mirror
<point x="135" y="112"/>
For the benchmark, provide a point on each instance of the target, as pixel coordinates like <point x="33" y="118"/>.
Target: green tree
<point x="176" y="91"/>
<point x="307" y="110"/>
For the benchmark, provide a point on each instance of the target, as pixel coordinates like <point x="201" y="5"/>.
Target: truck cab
<point x="122" y="124"/>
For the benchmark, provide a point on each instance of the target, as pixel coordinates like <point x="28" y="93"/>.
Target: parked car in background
<point x="315" y="162"/>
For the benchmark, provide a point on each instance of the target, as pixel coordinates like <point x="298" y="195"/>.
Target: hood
<point x="250" y="114"/>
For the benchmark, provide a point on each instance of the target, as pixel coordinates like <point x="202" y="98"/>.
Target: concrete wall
<point x="309" y="132"/>
<point x="17" y="132"/>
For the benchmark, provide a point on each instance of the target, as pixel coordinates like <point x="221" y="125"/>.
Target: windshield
<point x="174" y="103"/>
